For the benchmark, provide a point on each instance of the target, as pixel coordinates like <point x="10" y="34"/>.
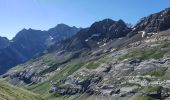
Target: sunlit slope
<point x="9" y="92"/>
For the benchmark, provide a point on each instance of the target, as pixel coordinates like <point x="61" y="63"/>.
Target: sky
<point x="44" y="14"/>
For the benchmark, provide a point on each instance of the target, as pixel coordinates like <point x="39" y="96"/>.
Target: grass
<point x="152" y="88"/>
<point x="96" y="63"/>
<point x="15" y="69"/>
<point x="141" y="97"/>
<point x="57" y="97"/>
<point x="67" y="70"/>
<point x="148" y="53"/>
<point x="54" y="66"/>
<point x="84" y="96"/>
<point x="44" y="87"/>
<point x="158" y="72"/>
<point x="145" y="78"/>
<point x="81" y="77"/>
<point x="132" y="84"/>
<point x="41" y="88"/>
<point x="144" y="54"/>
<point x="92" y="65"/>
<point x="65" y="86"/>
<point x="165" y="78"/>
<point x="48" y="59"/>
<point x="9" y="92"/>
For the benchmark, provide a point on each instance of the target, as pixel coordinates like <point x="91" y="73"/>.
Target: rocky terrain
<point x="107" y="61"/>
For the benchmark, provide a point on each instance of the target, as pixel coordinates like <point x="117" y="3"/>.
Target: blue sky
<point x="44" y="14"/>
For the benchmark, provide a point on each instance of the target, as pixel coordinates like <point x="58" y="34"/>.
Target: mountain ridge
<point x="107" y="28"/>
<point x="30" y="43"/>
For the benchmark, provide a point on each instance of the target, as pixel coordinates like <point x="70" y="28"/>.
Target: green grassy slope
<point x="9" y="92"/>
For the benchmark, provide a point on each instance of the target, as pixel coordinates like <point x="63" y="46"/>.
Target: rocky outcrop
<point x="154" y="23"/>
<point x="71" y="86"/>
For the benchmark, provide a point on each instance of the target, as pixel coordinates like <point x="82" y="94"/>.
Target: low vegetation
<point x="9" y="92"/>
<point x="144" y="54"/>
<point x="55" y="64"/>
<point x="43" y="88"/>
<point x="96" y="63"/>
<point x="141" y="97"/>
<point x="152" y="88"/>
<point x="157" y="72"/>
<point x="155" y="52"/>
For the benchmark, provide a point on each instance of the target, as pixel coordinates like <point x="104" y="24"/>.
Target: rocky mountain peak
<point x="61" y="25"/>
<point x="153" y="23"/>
<point x="62" y="31"/>
<point x="110" y="28"/>
<point x="100" y="31"/>
<point x="102" y="26"/>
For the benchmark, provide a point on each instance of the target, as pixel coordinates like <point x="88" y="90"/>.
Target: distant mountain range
<point x="103" y="31"/>
<point x="30" y="43"/>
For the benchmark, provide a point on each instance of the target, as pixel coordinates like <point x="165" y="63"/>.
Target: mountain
<point x="153" y="23"/>
<point x="73" y="52"/>
<point x="4" y="42"/>
<point x="31" y="43"/>
<point x="107" y="61"/>
<point x="94" y="36"/>
<point x="62" y="32"/>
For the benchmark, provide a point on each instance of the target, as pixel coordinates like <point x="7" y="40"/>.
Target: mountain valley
<point x="107" y="61"/>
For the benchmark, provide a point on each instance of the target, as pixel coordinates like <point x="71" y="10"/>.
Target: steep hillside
<point x="9" y="92"/>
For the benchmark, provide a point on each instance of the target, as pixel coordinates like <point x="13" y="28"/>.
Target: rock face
<point x="30" y="43"/>
<point x="154" y="23"/>
<point x="95" y="36"/>
<point x="4" y="42"/>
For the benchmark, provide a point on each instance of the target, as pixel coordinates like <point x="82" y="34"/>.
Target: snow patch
<point x="102" y="45"/>
<point x="87" y="40"/>
<point x="51" y="38"/>
<point x="93" y="35"/>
